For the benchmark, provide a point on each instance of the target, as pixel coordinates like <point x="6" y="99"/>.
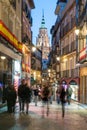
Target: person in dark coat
<point x="21" y="96"/>
<point x="45" y="95"/>
<point x="69" y="94"/>
<point x="36" y="91"/>
<point x="63" y="98"/>
<point x="27" y="96"/>
<point x="58" y="95"/>
<point x="10" y="95"/>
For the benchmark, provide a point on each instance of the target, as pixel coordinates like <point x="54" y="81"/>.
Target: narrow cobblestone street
<point x="43" y="65"/>
<point x="75" y="118"/>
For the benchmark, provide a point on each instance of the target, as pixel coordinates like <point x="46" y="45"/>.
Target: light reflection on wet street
<point x="75" y="119"/>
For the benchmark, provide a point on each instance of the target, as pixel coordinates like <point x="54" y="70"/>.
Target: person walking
<point x="10" y="96"/>
<point x="27" y="96"/>
<point x="21" y="95"/>
<point x="45" y="95"/>
<point x="36" y="91"/>
<point x="51" y="94"/>
<point x="69" y="94"/>
<point x="63" y="98"/>
<point x="58" y="95"/>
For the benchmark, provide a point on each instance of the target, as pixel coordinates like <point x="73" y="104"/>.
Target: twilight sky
<point x="50" y="18"/>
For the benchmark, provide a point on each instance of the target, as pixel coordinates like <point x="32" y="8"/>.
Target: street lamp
<point x="58" y="58"/>
<point x="77" y="33"/>
<point x="3" y="57"/>
<point x="49" y="70"/>
<point x="33" y="49"/>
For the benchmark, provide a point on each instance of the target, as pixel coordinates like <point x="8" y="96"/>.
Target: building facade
<point x="81" y="41"/>
<point x="27" y="6"/>
<point x="15" y="21"/>
<point x="64" y="46"/>
<point x="10" y="42"/>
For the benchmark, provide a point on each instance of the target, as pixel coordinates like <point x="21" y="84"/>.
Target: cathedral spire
<point x="43" y="21"/>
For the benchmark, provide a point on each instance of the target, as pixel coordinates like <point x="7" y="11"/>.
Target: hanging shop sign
<point x="25" y="67"/>
<point x="5" y="32"/>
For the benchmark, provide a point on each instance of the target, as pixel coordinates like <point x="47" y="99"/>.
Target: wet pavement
<point x="75" y="118"/>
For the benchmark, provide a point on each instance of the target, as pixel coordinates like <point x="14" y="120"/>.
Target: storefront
<point x="5" y="72"/>
<point x="16" y="77"/>
<point x="6" y="66"/>
<point x="74" y="84"/>
<point x="10" y="49"/>
<point x="83" y="85"/>
<point x="75" y="90"/>
<point x="5" y="69"/>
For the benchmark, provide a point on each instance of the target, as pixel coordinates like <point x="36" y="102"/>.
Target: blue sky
<point x="49" y="7"/>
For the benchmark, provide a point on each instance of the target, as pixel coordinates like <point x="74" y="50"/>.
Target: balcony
<point x="69" y="48"/>
<point x="69" y="26"/>
<point x="26" y="39"/>
<point x="73" y="46"/>
<point x="82" y="13"/>
<point x="65" y="50"/>
<point x="27" y="12"/>
<point x="73" y="22"/>
<point x="72" y="73"/>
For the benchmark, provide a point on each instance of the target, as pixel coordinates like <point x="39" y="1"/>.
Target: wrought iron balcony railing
<point x="72" y="73"/>
<point x="69" y="48"/>
<point x="68" y="27"/>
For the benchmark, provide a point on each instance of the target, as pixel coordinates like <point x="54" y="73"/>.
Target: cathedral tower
<point x="43" y="43"/>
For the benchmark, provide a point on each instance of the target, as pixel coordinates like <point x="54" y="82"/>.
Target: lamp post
<point x="58" y="58"/>
<point x="33" y="49"/>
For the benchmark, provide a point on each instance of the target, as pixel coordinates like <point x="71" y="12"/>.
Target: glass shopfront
<point x="16" y="73"/>
<point x="83" y="85"/>
<point x="5" y="72"/>
<point x="75" y="89"/>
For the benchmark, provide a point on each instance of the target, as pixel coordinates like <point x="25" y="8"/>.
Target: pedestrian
<point x="58" y="95"/>
<point x="36" y="91"/>
<point x="10" y="96"/>
<point x="21" y="95"/>
<point x="39" y="93"/>
<point x="69" y="94"/>
<point x="63" y="98"/>
<point x="51" y="94"/>
<point x="1" y="93"/>
<point x="45" y="95"/>
<point x="27" y="96"/>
